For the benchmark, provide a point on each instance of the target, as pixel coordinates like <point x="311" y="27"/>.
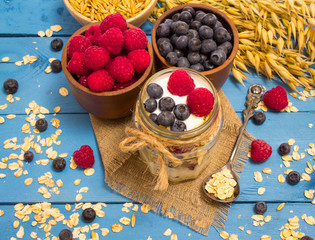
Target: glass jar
<point x="192" y="147"/>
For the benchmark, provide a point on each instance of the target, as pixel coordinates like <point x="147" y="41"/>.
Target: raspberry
<point x="93" y="34"/>
<point x="260" y="150"/>
<point x="276" y="98"/>
<point x="114" y="20"/>
<point x="76" y="64"/>
<point x="121" y="69"/>
<point x="84" y="157"/>
<point x="96" y="58"/>
<point x="78" y="43"/>
<point x="83" y="81"/>
<point x="180" y="83"/>
<point x="112" y="40"/>
<point x="100" y="81"/>
<point x="135" y="38"/>
<point x="140" y="60"/>
<point x="200" y="102"/>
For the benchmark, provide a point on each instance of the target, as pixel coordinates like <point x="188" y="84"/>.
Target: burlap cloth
<point x="185" y="202"/>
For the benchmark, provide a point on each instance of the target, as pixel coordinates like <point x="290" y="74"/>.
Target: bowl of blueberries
<point x="196" y="36"/>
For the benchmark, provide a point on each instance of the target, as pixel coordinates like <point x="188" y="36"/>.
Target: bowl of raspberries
<point x="106" y="64"/>
<point x="196" y="36"/>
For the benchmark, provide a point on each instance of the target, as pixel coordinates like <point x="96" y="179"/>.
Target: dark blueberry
<point x="65" y="234"/>
<point x="166" y="118"/>
<point x="185" y="16"/>
<point x="198" y="67"/>
<point x="181" y="28"/>
<point x="226" y="46"/>
<point x="208" y="65"/>
<point x="150" y="105"/>
<point x="172" y="58"/>
<point x="163" y="30"/>
<point x="189" y="9"/>
<point x="153" y="117"/>
<point x="259" y="118"/>
<point x="194" y="44"/>
<point x="175" y="17"/>
<point x="178" y="126"/>
<point x="209" y="20"/>
<point x="195" y="25"/>
<point x="207" y="46"/>
<point x="199" y="11"/>
<point x="28" y="156"/>
<point x="179" y="53"/>
<point x="183" y="62"/>
<point x="193" y="57"/>
<point x="181" y="111"/>
<point x="203" y="58"/>
<point x="165" y="48"/>
<point x="192" y="34"/>
<point x="173" y="25"/>
<point x="41" y="124"/>
<point x="160" y="40"/>
<point x="293" y="177"/>
<point x="205" y="32"/>
<point x="199" y="16"/>
<point x="166" y="104"/>
<point x="11" y="86"/>
<point x="56" y="66"/>
<point x="56" y="44"/>
<point x="306" y="238"/>
<point x="284" y="149"/>
<point x="218" y="57"/>
<point x="221" y="35"/>
<point x="88" y="215"/>
<point x="217" y="25"/>
<point x="154" y="90"/>
<point x="173" y="39"/>
<point x="260" y="207"/>
<point x="181" y="42"/>
<point x="168" y="21"/>
<point x="59" y="164"/>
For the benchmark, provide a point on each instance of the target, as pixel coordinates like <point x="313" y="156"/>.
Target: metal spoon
<point x="254" y="95"/>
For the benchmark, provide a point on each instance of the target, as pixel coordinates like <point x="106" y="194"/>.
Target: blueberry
<point x="172" y="58"/>
<point x="178" y="126"/>
<point x="198" y="67"/>
<point x="154" y="90"/>
<point x="207" y="46"/>
<point x="166" y="118"/>
<point x="59" y="164"/>
<point x="153" y="117"/>
<point x="209" y="20"/>
<point x="28" y="156"/>
<point x="221" y="35"/>
<point x="56" y="66"/>
<point x="175" y="17"/>
<point x="166" y="104"/>
<point x="205" y="32"/>
<point x="173" y="25"/>
<point x="194" y="44"/>
<point x="203" y="58"/>
<point x="179" y="53"/>
<point x="306" y="238"/>
<point x="185" y="16"/>
<point x="173" y="39"/>
<point x="193" y="57"/>
<point x="217" y="25"/>
<point x="41" y="124"/>
<point x="150" y="105"/>
<point x="181" y="42"/>
<point x="181" y="28"/>
<point x="181" y="111"/>
<point x="195" y="25"/>
<point x="183" y="62"/>
<point x="165" y="48"/>
<point x="208" y="65"/>
<point x="192" y="34"/>
<point x="11" y="86"/>
<point x="56" y="44"/>
<point x="293" y="177"/>
<point x="189" y="9"/>
<point x="65" y="234"/>
<point x="260" y="207"/>
<point x="226" y="46"/>
<point x="218" y="57"/>
<point x="160" y="40"/>
<point x="284" y="149"/>
<point x="199" y="16"/>
<point x="168" y="21"/>
<point x="163" y="30"/>
<point x="259" y="118"/>
<point x="88" y="215"/>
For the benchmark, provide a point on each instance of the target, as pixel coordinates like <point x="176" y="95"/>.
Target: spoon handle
<point x="253" y="97"/>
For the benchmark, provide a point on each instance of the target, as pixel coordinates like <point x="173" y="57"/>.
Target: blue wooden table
<point x="19" y="23"/>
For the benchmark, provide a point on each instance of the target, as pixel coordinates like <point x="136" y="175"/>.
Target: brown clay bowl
<point x="217" y="75"/>
<point x="107" y="105"/>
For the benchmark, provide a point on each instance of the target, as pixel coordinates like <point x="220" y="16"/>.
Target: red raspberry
<point x="96" y="58"/>
<point x="114" y="20"/>
<point x="121" y="69"/>
<point x="83" y="81"/>
<point x="135" y="38"/>
<point x="260" y="150"/>
<point x="200" y="102"/>
<point x="84" y="157"/>
<point x="180" y="83"/>
<point x="93" y="34"/>
<point x="276" y="98"/>
<point x="112" y="40"/>
<point x="78" y="43"/>
<point x="100" y="81"/>
<point x="140" y="60"/>
<point x="76" y="64"/>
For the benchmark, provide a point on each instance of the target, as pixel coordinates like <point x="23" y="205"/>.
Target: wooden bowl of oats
<point x="136" y="12"/>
